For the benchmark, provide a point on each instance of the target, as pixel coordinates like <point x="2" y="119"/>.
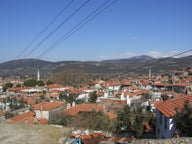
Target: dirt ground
<point x="12" y="133"/>
<point x="182" y="140"/>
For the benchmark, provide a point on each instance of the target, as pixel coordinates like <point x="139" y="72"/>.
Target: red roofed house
<point x="56" y="87"/>
<point x="28" y="117"/>
<point x="88" y="108"/>
<point x="165" y="111"/>
<point x="113" y="85"/>
<point x="49" y="111"/>
<point x="83" y="108"/>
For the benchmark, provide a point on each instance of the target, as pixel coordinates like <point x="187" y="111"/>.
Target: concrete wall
<point x="56" y="113"/>
<point x="50" y="115"/>
<point x="42" y="114"/>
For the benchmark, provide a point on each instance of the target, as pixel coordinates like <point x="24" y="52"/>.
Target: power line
<point x="87" y="19"/>
<point x="44" y="29"/>
<point x="158" y="61"/>
<point x="66" y="20"/>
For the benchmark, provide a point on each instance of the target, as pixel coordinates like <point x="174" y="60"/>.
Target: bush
<point x="8" y="115"/>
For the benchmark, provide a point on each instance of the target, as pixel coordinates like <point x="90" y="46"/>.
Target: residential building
<point x="49" y="110"/>
<point x="165" y="112"/>
<point x="28" y="117"/>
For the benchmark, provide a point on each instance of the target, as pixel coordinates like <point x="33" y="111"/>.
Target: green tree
<point x="92" y="120"/>
<point x="6" y="86"/>
<point x="62" y="96"/>
<point x="64" y="120"/>
<point x="183" y="119"/>
<point x="164" y="97"/>
<point x="147" y="96"/>
<point x="140" y="117"/>
<point x="9" y="85"/>
<point x="30" y="83"/>
<point x="68" y="98"/>
<point x="40" y="83"/>
<point x="18" y="85"/>
<point x="93" y="97"/>
<point x="8" y="115"/>
<point x="15" y="104"/>
<point x="124" y="119"/>
<point x="138" y="126"/>
<point x="49" y="82"/>
<point x="128" y="120"/>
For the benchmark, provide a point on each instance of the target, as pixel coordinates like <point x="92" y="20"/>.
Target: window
<point x="165" y="124"/>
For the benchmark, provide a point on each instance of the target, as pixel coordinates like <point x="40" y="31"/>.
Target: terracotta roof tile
<point x="22" y="118"/>
<point x="113" y="83"/>
<point x="17" y="88"/>
<point x="168" y="107"/>
<point x="181" y="85"/>
<point x="29" y="101"/>
<point x="48" y="106"/>
<point x="55" y="86"/>
<point x="28" y="117"/>
<point x="83" y="108"/>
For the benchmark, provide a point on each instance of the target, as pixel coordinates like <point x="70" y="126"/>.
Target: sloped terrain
<point x="12" y="133"/>
<point x="111" y="67"/>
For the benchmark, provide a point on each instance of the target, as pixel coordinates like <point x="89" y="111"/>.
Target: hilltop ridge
<point x="136" y="65"/>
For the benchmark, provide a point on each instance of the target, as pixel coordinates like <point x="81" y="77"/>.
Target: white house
<point x="1" y="88"/>
<point x="48" y="110"/>
<point x="113" y="85"/>
<point x="165" y="111"/>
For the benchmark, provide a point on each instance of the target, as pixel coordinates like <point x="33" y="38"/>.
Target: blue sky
<point x="128" y="28"/>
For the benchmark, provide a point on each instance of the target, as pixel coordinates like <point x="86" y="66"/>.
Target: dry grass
<point x="12" y="133"/>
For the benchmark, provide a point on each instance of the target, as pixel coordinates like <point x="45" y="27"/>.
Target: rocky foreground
<point x="11" y="133"/>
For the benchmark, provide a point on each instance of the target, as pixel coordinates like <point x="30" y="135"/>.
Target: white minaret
<point x="38" y="75"/>
<point x="149" y="73"/>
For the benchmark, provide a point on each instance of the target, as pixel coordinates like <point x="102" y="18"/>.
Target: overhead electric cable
<point x="158" y="61"/>
<point x="87" y="19"/>
<point x="66" y="20"/>
<point x="44" y="29"/>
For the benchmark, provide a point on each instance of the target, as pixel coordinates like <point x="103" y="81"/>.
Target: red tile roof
<point x="17" y="88"/>
<point x="46" y="106"/>
<point x="83" y="108"/>
<point x="113" y="83"/>
<point x="114" y="102"/>
<point x="135" y="93"/>
<point x="28" y="117"/>
<point x="168" y="107"/>
<point x="75" y="91"/>
<point x="181" y="84"/>
<point x="55" y="86"/>
<point x="29" y="101"/>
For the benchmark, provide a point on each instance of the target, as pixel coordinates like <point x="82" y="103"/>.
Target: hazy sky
<point x="126" y="28"/>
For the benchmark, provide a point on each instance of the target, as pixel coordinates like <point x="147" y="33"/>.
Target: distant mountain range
<point x="134" y="65"/>
<point x="142" y="58"/>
